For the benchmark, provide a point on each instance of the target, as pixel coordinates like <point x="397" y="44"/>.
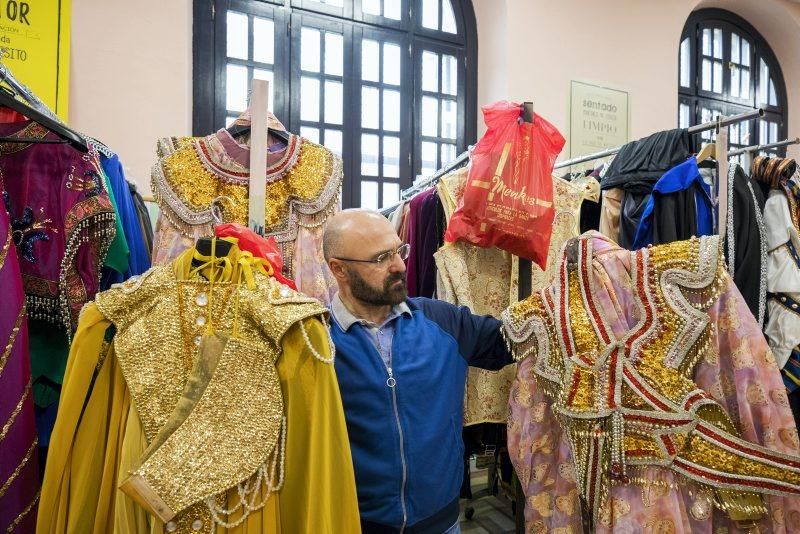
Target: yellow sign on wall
<point x="34" y="44"/>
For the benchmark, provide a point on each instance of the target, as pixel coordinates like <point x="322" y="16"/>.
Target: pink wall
<point x="131" y="79"/>
<point x="531" y="49"/>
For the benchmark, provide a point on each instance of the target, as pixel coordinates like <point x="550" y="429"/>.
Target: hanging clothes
<point x="646" y="390"/>
<point x="303" y="187"/>
<point x="19" y="470"/>
<point x="425" y="230"/>
<point x="680" y="207"/>
<point x="137" y="408"/>
<point x="745" y="240"/>
<point x="636" y="168"/>
<point x="145" y="222"/>
<point x="783" y="284"/>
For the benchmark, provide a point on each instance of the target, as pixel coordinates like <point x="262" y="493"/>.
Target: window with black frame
<point x="390" y="85"/>
<point x="725" y="68"/>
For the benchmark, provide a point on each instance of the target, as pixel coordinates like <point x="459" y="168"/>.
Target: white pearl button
<point x="171" y="526"/>
<point x="197" y="525"/>
<point x="285" y="292"/>
<point x="202" y="299"/>
<point x="197" y="340"/>
<point x="201" y="320"/>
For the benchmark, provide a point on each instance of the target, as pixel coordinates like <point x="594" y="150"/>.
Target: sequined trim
<point x="13" y="476"/>
<point x="15" y="413"/>
<point x="4" y="250"/>
<point x="21" y="517"/>
<point x="762" y="235"/>
<point x="12" y="339"/>
<point x="212" y="155"/>
<point x="787" y="302"/>
<point x="33" y="130"/>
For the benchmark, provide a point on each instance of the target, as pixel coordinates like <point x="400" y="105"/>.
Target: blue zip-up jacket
<point x="404" y="424"/>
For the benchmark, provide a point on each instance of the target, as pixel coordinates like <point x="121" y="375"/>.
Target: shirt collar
<point x="347" y="319"/>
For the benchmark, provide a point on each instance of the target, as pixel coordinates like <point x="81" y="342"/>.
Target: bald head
<point x="355" y="232"/>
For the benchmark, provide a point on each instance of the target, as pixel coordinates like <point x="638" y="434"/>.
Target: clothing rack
<point x="706" y="126"/>
<point x="758" y="148"/>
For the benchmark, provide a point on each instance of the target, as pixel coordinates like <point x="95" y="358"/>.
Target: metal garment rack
<point x="759" y="148"/>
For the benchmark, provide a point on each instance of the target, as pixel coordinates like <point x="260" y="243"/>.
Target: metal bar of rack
<point x="769" y="146"/>
<point x="706" y="126"/>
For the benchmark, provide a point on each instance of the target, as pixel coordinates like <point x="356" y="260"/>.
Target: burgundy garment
<point x="17" y="440"/>
<point x="62" y="218"/>
<point x="424" y="241"/>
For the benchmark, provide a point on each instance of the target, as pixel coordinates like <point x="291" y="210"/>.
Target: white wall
<point x="131" y="79"/>
<point x="131" y="76"/>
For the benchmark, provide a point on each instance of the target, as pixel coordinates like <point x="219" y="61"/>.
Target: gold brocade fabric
<point x="485" y="280"/>
<point x="303" y="189"/>
<point x="192" y="408"/>
<point x="619" y="369"/>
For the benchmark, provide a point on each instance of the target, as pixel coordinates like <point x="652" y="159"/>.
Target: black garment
<point x="745" y="224"/>
<point x="636" y="168"/>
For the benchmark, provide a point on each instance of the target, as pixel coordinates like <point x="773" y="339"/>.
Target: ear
<point x="338" y="269"/>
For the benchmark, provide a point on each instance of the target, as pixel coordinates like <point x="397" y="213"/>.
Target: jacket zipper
<point x="391" y="382"/>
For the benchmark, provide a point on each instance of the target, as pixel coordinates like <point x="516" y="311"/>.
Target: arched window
<point x="390" y="85"/>
<point x="726" y="67"/>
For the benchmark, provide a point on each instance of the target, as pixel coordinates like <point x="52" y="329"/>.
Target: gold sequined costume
<point x="303" y="188"/>
<point x="192" y="405"/>
<point x="614" y="343"/>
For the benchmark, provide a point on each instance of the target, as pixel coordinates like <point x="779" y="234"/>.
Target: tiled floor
<point x="492" y="514"/>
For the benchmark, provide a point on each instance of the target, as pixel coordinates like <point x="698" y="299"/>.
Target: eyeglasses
<point x="385" y="257"/>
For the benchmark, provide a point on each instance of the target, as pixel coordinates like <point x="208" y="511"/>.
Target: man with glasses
<point x="401" y="364"/>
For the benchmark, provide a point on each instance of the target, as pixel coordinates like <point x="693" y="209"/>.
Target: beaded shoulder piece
<point x="625" y="403"/>
<point x="302" y="188"/>
<point x="210" y="404"/>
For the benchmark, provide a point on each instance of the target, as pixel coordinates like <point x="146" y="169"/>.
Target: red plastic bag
<point x="508" y="199"/>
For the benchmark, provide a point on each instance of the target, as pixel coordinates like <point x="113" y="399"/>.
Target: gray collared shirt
<point x="381" y="335"/>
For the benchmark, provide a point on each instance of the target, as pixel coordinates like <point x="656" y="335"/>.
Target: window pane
<point x="391" y="157"/>
<point x="391" y="194"/>
<point x="263" y="40"/>
<point x="685" y="60"/>
<point x="260" y="74"/>
<point x="391" y="64"/>
<point x="370" y="60"/>
<point x="430" y="116"/>
<point x="391" y="10"/>
<point x="449" y="120"/>
<point x="763" y="82"/>
<point x="430" y="14"/>
<point x="229" y="121"/>
<point x="236" y="88"/>
<point x="745" y="53"/>
<point x="683" y="120"/>
<point x="309" y="99"/>
<point x="369" y="155"/>
<point x="718" y="77"/>
<point x="333" y="102"/>
<point x="333" y="140"/>
<point x="744" y="130"/>
<point x="430" y="71"/>
<point x="391" y="110"/>
<point x="370" y="107"/>
<point x="429" y="163"/>
<point x="735" y="39"/>
<point x="734" y="134"/>
<point x="448" y="18"/>
<point x="335" y="3"/>
<point x="745" y="83"/>
<point x="706" y="75"/>
<point x="449" y="75"/>
<point x="773" y="132"/>
<point x="773" y="98"/>
<point x="706" y="42"/>
<point x="371" y="7"/>
<point x="237" y="35"/>
<point x="717" y="43"/>
<point x="309" y="49"/>
<point x="312" y="134"/>
<point x="334" y="54"/>
<point x="735" y="81"/>
<point x="369" y="195"/>
<point x="448" y="153"/>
